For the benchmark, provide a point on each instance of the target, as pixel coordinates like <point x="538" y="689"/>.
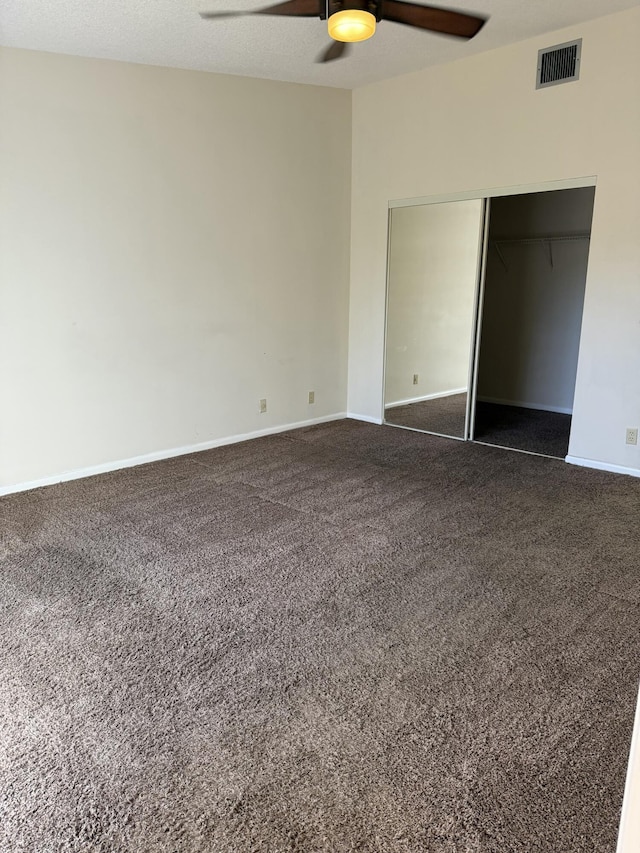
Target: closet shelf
<point x="547" y="240"/>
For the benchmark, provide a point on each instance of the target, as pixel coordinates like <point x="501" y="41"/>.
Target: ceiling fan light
<point x="351" y="25"/>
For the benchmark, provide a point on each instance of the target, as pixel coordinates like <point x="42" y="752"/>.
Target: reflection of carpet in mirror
<point x="523" y="429"/>
<point x="444" y="415"/>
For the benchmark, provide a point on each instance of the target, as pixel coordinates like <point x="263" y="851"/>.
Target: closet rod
<point x="548" y="241"/>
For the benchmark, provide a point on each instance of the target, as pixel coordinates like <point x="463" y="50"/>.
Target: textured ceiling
<point x="171" y="33"/>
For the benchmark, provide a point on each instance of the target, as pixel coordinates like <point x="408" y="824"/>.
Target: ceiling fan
<point x="355" y="20"/>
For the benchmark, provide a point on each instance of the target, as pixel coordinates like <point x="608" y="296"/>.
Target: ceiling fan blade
<point x="432" y="18"/>
<point x="297" y="8"/>
<point x="294" y="8"/>
<point x="336" y="50"/>
<point x="210" y="16"/>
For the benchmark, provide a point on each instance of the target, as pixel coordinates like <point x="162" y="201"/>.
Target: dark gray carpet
<point x="523" y="429"/>
<point x="347" y="638"/>
<point x="444" y="415"/>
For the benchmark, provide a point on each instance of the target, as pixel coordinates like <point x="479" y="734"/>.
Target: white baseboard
<point x="436" y="396"/>
<point x="602" y="466"/>
<point x="523" y="405"/>
<point x="366" y="418"/>
<point x="156" y="456"/>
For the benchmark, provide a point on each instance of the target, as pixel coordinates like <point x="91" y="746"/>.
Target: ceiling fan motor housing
<point x="330" y="7"/>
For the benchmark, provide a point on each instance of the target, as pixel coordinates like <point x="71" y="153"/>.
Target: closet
<point x="484" y="310"/>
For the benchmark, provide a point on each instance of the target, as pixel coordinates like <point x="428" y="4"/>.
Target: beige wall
<point x="480" y="123"/>
<point x="433" y="262"/>
<point x="174" y="246"/>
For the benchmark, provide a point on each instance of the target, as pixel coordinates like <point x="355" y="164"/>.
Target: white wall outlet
<point x="632" y="435"/>
<point x="415" y="378"/>
<point x="263" y="405"/>
<point x="312" y="396"/>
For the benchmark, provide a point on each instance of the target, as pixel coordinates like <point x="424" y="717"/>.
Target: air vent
<point x="558" y="64"/>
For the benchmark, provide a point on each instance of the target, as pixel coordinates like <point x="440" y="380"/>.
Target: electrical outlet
<point x="312" y="396"/>
<point x="415" y="378"/>
<point x="263" y="405"/>
<point x="632" y="435"/>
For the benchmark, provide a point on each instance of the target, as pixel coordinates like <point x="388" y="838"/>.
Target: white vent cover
<point x="558" y="64"/>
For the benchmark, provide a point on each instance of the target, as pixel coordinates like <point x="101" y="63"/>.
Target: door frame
<point x="493" y="192"/>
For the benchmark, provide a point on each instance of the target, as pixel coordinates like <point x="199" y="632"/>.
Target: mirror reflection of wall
<point x="434" y="252"/>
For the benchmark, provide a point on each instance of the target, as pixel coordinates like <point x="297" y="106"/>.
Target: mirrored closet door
<point x="435" y="253"/>
<point x="484" y="313"/>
